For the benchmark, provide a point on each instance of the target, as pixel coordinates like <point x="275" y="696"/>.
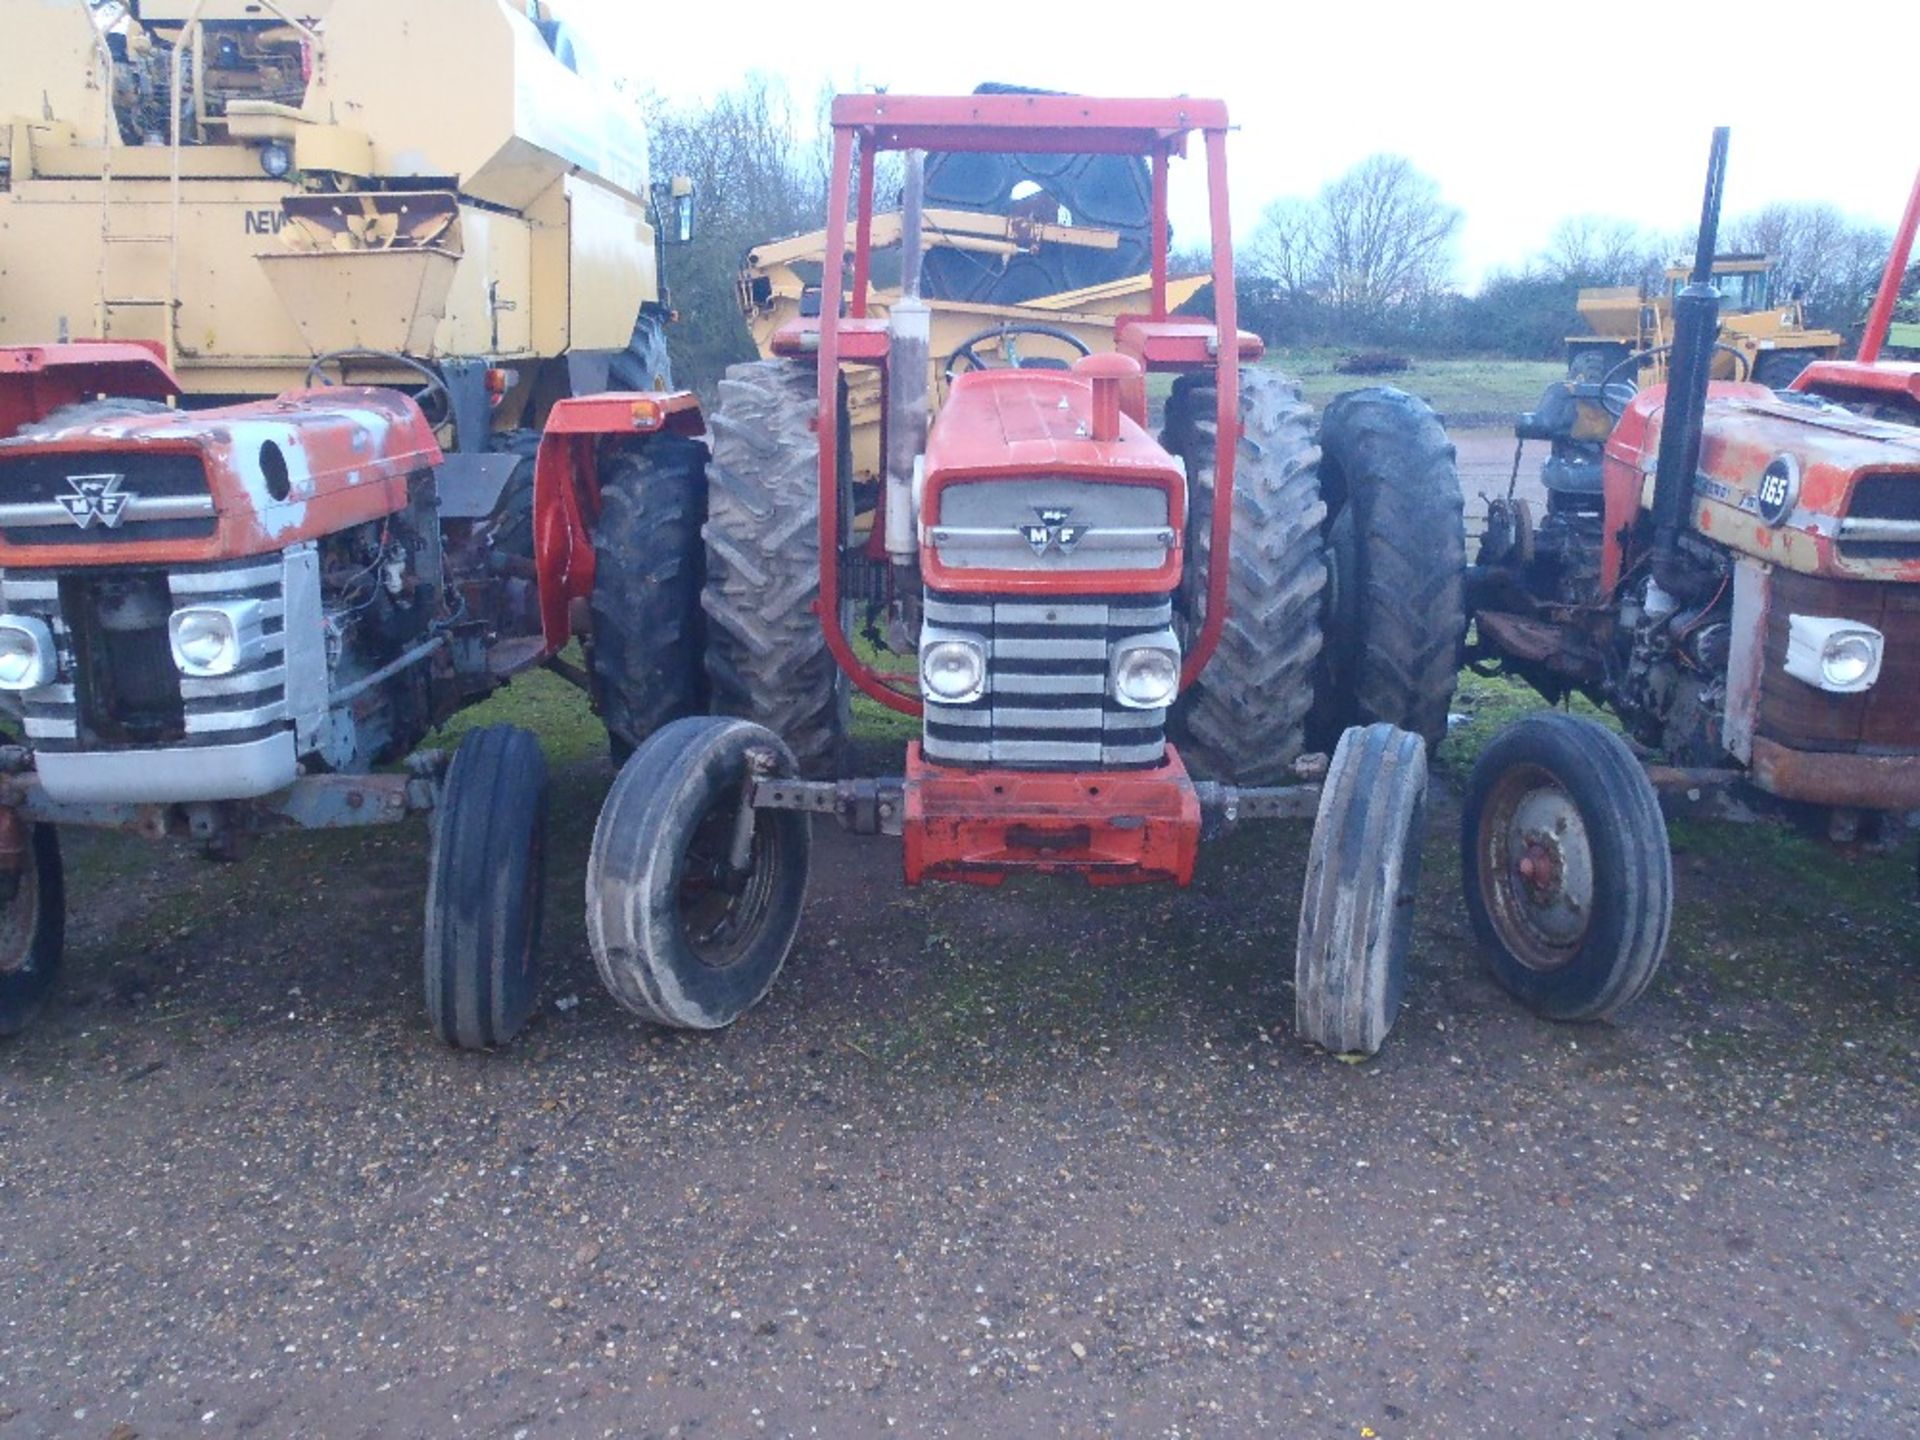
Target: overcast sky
<point x="1524" y="113"/>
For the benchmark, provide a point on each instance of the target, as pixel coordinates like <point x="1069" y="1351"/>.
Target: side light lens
<point x="1839" y="656"/>
<point x="953" y="671"/>
<point x="216" y="639"/>
<point x="26" y="653"/>
<point x="1146" y="672"/>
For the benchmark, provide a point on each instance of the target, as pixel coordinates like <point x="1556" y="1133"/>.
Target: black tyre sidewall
<point x="639" y="851"/>
<point x="486" y="889"/>
<point x="24" y="992"/>
<point x="1632" y="872"/>
<point x="1363" y="874"/>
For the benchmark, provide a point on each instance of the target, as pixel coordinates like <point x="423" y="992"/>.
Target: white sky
<point x="1524" y="113"/>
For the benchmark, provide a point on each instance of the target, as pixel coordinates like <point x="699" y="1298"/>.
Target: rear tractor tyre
<point x="681" y="937"/>
<point x="486" y="889"/>
<point x="1564" y="857"/>
<point x="33" y="930"/>
<point x="1243" y="719"/>
<point x="648" y="567"/>
<point x="767" y="660"/>
<point x="1363" y="874"/>
<point x="1396" y="544"/>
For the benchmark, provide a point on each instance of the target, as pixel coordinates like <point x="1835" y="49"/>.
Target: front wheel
<point x="485" y="889"/>
<point x="693" y="900"/>
<point x="1363" y="872"/>
<point x="33" y="930"/>
<point x="1569" y="881"/>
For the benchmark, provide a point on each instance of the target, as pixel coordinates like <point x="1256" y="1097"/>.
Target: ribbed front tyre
<point x="1363" y="873"/>
<point x="486" y="887"/>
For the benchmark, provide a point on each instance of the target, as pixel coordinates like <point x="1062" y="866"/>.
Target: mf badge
<point x="97" y="500"/>
<point x="1054" y="532"/>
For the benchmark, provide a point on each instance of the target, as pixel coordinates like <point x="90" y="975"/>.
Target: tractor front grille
<point x="1048" y="704"/>
<point x="112" y="497"/>
<point x="118" y="687"/>
<point x="1882" y="720"/>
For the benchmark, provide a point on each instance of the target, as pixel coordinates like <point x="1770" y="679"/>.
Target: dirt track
<point x="1030" y="1163"/>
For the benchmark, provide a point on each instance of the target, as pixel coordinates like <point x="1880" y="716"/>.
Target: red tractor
<point x="1068" y="589"/>
<point x="220" y="623"/>
<point x="1734" y="572"/>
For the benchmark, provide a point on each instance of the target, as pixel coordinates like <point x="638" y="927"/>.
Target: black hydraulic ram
<point x="1696" y="331"/>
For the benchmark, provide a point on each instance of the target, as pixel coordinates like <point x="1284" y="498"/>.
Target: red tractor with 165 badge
<point x="1070" y="588"/>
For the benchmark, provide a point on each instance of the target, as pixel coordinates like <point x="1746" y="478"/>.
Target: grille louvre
<point x="1047" y="705"/>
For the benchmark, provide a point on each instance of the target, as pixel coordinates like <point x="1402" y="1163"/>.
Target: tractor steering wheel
<point x="433" y="398"/>
<point x="965" y="357"/>
<point x="1617" y="389"/>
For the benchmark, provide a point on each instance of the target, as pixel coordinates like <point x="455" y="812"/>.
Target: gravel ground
<point x="1030" y="1162"/>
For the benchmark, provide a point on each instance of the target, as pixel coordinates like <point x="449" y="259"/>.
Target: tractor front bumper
<point x="1819" y="777"/>
<point x="1114" y="827"/>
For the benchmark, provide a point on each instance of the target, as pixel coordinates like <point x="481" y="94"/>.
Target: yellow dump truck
<point x="1762" y="335"/>
<point x="264" y="189"/>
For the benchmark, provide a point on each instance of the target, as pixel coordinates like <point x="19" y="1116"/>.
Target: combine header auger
<point x="1735" y="574"/>
<point x="1069" y="587"/>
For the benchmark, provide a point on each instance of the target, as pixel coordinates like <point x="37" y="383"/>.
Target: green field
<point x="1467" y="391"/>
<point x="1483" y="389"/>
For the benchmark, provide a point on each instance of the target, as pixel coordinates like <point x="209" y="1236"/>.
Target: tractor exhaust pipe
<point x="908" y="367"/>
<point x="1696" y="329"/>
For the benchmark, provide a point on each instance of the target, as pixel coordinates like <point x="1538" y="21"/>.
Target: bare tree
<point x="1386" y="238"/>
<point x="1602" y="250"/>
<point x="1833" y="262"/>
<point x="1375" y="241"/>
<point x="757" y="178"/>
<point x="1285" y="249"/>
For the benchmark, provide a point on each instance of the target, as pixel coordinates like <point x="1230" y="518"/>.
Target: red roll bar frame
<point x="1155" y="130"/>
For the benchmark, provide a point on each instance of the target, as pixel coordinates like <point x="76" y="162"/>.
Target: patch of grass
<point x="1487" y="705"/>
<point x="542" y="702"/>
<point x="1475" y="388"/>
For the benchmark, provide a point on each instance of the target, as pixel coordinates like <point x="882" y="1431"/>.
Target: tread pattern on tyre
<point x="481" y="947"/>
<point x="767" y="660"/>
<point x="1633" y="866"/>
<point x="1243" y="719"/>
<point x="1363" y="870"/>
<point x="646" y="604"/>
<point x="1385" y="454"/>
<point x="634" y="868"/>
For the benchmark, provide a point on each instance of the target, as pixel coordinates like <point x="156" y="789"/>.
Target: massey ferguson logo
<point x="97" y="499"/>
<point x="1053" y="532"/>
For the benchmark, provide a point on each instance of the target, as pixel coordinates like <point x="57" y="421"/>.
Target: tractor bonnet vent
<point x="1883" y="517"/>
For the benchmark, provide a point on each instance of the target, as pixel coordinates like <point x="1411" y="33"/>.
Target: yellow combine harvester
<point x="1761" y="337"/>
<point x="255" y="185"/>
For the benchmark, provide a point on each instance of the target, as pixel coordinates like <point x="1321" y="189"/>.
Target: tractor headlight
<point x="217" y="638"/>
<point x="26" y="653"/>
<point x="953" y="670"/>
<point x="1146" y="672"/>
<point x="1841" y="656"/>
